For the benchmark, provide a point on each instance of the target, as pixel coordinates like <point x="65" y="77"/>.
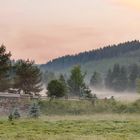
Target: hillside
<point x="100" y="59"/>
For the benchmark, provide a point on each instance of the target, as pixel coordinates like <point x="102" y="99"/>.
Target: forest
<point x="111" y="51"/>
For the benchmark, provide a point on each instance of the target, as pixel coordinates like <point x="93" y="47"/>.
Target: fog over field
<point x="126" y="96"/>
<point x="121" y="96"/>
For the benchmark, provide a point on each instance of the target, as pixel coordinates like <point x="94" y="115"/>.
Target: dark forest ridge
<point x="110" y="51"/>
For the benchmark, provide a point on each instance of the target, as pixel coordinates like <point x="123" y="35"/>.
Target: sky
<point x="42" y="30"/>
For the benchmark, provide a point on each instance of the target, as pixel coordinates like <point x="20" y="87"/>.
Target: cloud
<point x="43" y="30"/>
<point x="43" y="45"/>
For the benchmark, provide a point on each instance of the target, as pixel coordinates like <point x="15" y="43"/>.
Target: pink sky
<point x="45" y="29"/>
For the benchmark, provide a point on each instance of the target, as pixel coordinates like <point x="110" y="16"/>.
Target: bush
<point x="34" y="111"/>
<point x="10" y="117"/>
<point x="16" y="114"/>
<point x="56" y="89"/>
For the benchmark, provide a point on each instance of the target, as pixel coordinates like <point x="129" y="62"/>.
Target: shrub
<point x="56" y="89"/>
<point x="16" y="114"/>
<point x="10" y="117"/>
<point x="34" y="111"/>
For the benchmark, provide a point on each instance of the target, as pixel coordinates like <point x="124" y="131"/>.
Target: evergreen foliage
<point x="10" y="117"/>
<point x="34" y="111"/>
<point x="64" y="83"/>
<point x="108" y="79"/>
<point x="28" y="77"/>
<point x="76" y="81"/>
<point x="110" y="51"/>
<point x="134" y="74"/>
<point x="96" y="80"/>
<point x="117" y="78"/>
<point x="122" y="78"/>
<point x="56" y="89"/>
<point x="16" y="114"/>
<point x="5" y="65"/>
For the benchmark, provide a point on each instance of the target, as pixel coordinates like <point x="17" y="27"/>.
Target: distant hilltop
<point x="98" y="59"/>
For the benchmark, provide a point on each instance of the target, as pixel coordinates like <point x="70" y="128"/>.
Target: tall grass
<point x="95" y="127"/>
<point x="81" y="107"/>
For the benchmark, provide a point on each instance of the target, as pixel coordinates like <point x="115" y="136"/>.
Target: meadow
<point x="76" y="120"/>
<point x="89" y="127"/>
<point x="88" y="107"/>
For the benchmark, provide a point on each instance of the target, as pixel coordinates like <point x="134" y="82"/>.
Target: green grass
<point x="77" y="120"/>
<point x="97" y="127"/>
<point x="83" y="107"/>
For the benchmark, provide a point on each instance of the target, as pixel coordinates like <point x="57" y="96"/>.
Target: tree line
<point x="25" y="77"/>
<point x="93" y="55"/>
<point x="74" y="86"/>
<point x="119" y="78"/>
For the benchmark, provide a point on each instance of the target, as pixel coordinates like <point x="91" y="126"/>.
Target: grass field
<point x="86" y="107"/>
<point x="86" y="127"/>
<point x="77" y="120"/>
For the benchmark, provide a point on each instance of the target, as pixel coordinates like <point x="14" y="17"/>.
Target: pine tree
<point x="34" y="111"/>
<point x="76" y="81"/>
<point x="63" y="81"/>
<point x="10" y="117"/>
<point x="108" y="79"/>
<point x="5" y="65"/>
<point x="123" y="79"/>
<point x="117" y="79"/>
<point x="134" y="74"/>
<point x="16" y="114"/>
<point x="96" y="80"/>
<point x="28" y="77"/>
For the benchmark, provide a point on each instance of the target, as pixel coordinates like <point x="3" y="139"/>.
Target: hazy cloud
<point x="43" y="30"/>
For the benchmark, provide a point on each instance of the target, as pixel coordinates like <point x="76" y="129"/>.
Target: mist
<point x="127" y="96"/>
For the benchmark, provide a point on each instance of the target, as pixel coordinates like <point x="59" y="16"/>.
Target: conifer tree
<point x="123" y="79"/>
<point x="5" y="65"/>
<point x="34" y="111"/>
<point x="108" y="79"/>
<point x="63" y="81"/>
<point x="16" y="114"/>
<point x="96" y="80"/>
<point x="134" y="74"/>
<point x="76" y="81"/>
<point x="117" y="79"/>
<point x="28" y="77"/>
<point x="10" y="117"/>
